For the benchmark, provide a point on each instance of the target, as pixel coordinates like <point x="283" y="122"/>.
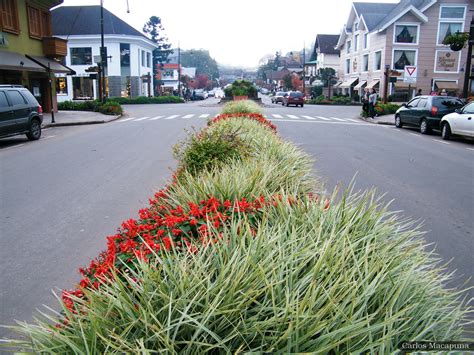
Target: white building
<point x="129" y="52"/>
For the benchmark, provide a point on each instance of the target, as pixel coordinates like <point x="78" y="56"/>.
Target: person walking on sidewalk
<point x="372" y="102"/>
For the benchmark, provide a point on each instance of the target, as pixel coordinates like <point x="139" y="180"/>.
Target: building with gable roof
<point x="409" y="33"/>
<point x="129" y="65"/>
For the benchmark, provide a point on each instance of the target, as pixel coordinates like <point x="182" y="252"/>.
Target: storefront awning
<point x="449" y="85"/>
<point x="360" y="85"/>
<point x="17" y="61"/>
<point x="348" y="83"/>
<point x="50" y="64"/>
<point x="337" y="84"/>
<point x="373" y="84"/>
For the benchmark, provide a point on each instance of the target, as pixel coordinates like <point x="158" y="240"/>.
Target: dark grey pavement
<point x="62" y="195"/>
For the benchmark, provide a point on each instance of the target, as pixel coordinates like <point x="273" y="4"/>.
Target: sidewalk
<point x="385" y="119"/>
<point x="75" y="118"/>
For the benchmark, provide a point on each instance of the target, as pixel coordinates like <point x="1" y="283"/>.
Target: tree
<point x="288" y="82"/>
<point x="327" y="76"/>
<point x="202" y="81"/>
<point x="201" y="60"/>
<point x="296" y="83"/>
<point x="154" y="29"/>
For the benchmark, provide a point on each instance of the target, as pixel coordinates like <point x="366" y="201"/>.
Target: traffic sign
<point x="410" y="74"/>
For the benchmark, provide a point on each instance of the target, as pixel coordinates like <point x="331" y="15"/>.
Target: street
<point x="62" y="195"/>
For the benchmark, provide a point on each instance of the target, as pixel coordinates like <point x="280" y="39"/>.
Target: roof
<point x="85" y="20"/>
<point x="326" y="44"/>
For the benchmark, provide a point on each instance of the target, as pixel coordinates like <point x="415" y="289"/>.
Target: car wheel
<point x="35" y="130"/>
<point x="424" y="128"/>
<point x="398" y="122"/>
<point x="446" y="131"/>
<point x="302" y="105"/>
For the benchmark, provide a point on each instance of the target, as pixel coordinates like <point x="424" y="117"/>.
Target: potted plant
<point x="457" y="40"/>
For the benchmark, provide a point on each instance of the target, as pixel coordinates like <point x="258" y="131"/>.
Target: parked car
<point x="219" y="93"/>
<point x="200" y="94"/>
<point x="211" y="93"/>
<point x="460" y="122"/>
<point x="426" y="112"/>
<point x="20" y="113"/>
<point x="293" y="98"/>
<point x="279" y="95"/>
<point x="264" y="91"/>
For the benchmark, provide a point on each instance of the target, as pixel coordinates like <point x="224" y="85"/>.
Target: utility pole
<point x="468" y="70"/>
<point x="304" y="69"/>
<point x="103" y="55"/>
<point x="179" y="71"/>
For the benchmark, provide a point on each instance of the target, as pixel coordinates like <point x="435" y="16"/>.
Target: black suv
<point x="20" y="113"/>
<point x="426" y="112"/>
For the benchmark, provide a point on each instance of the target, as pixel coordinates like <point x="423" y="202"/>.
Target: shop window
<point x="81" y="56"/>
<point x="82" y="88"/>
<point x="9" y="21"/>
<point x="61" y="86"/>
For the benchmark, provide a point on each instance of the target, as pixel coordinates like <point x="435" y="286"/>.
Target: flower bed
<point x="246" y="255"/>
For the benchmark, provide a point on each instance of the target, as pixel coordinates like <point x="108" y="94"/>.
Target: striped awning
<point x="348" y="83"/>
<point x="360" y="85"/>
<point x="373" y="84"/>
<point x="449" y="85"/>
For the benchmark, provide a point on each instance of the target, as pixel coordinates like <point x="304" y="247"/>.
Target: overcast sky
<point x="237" y="33"/>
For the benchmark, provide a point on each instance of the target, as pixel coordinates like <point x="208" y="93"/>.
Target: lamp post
<point x="103" y="55"/>
<point x="468" y="70"/>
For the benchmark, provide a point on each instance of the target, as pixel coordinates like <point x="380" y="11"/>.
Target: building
<point x="324" y="55"/>
<point x="29" y="55"/>
<point x="168" y="76"/>
<point x="129" y="54"/>
<point x="381" y="37"/>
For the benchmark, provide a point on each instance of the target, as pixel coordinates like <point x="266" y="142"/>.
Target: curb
<point x="66" y="124"/>
<point x="377" y="122"/>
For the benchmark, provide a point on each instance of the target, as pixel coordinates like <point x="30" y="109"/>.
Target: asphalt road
<point x="62" y="195"/>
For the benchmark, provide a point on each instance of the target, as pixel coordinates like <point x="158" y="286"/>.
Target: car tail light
<point x="434" y="110"/>
<point x="40" y="109"/>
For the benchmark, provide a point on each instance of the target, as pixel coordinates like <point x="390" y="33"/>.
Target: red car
<point x="293" y="98"/>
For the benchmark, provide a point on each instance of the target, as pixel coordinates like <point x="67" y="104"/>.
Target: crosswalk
<point x="273" y="116"/>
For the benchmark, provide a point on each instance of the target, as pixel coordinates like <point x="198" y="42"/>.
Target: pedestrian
<point x="418" y="93"/>
<point x="365" y="101"/>
<point x="194" y="95"/>
<point x="372" y="103"/>
<point x="444" y="93"/>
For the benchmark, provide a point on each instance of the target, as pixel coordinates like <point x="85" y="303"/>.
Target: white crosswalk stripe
<point x="323" y="118"/>
<point x="353" y="120"/>
<point x="277" y="116"/>
<point x="141" y="118"/>
<point x="171" y="117"/>
<point x="204" y="115"/>
<point x="188" y="116"/>
<point x="293" y="116"/>
<point x="338" y="119"/>
<point x="309" y="117"/>
<point x="127" y="119"/>
<point x="155" y="118"/>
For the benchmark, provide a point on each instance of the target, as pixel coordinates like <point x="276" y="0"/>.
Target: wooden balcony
<point x="54" y="47"/>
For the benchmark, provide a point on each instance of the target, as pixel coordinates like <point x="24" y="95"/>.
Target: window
<point x="469" y="109"/>
<point x="356" y="26"/>
<point x="143" y="58"/>
<point x="356" y="42"/>
<point x="366" y="40"/>
<point x="148" y="60"/>
<point x="38" y="22"/>
<point x="3" y="100"/>
<point x="402" y="58"/>
<point x="452" y="12"/>
<point x="365" y="63"/>
<point x="413" y="103"/>
<point x="348" y="66"/>
<point x="9" y="21"/>
<point x="422" y="103"/>
<point x="447" y="28"/>
<point x="348" y="47"/>
<point x="81" y="56"/>
<point x="61" y="86"/>
<point x="378" y="60"/>
<point x="406" y="34"/>
<point x="15" y="98"/>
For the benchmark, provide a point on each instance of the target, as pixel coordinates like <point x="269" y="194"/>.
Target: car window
<point x="422" y="103"/>
<point x="296" y="94"/>
<point x="3" y="100"/>
<point x="414" y="102"/>
<point x="449" y="103"/>
<point x="469" y="109"/>
<point x="15" y="98"/>
<point x="29" y="96"/>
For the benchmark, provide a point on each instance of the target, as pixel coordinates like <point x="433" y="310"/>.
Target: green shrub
<point x="343" y="100"/>
<point x="146" y="100"/>
<point x="110" y="108"/>
<point x="241" y="88"/>
<point x="243" y="106"/>
<point x="348" y="279"/>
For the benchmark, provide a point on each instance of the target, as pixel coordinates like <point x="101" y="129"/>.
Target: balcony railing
<point x="54" y="47"/>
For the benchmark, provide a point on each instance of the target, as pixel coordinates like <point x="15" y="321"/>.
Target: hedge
<point x="147" y="100"/>
<point x="110" y="107"/>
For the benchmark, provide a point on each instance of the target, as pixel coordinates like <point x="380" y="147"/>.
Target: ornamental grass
<point x="242" y="106"/>
<point x="350" y="278"/>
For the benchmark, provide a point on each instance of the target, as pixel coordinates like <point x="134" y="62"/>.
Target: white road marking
<point x="442" y="142"/>
<point x="323" y="118"/>
<point x="276" y="115"/>
<point x="13" y="146"/>
<point x="48" y="137"/>
<point x="339" y="123"/>
<point x="171" y="117"/>
<point x="188" y="116"/>
<point x="204" y="115"/>
<point x="352" y="120"/>
<point x="338" y="119"/>
<point x="414" y="134"/>
<point x="309" y="117"/>
<point x="155" y="118"/>
<point x="141" y="118"/>
<point x="470" y="148"/>
<point x="293" y="116"/>
<point x="127" y="119"/>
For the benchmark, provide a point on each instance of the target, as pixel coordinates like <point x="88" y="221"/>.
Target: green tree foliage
<point x="201" y="60"/>
<point x="325" y="74"/>
<point x="288" y="82"/>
